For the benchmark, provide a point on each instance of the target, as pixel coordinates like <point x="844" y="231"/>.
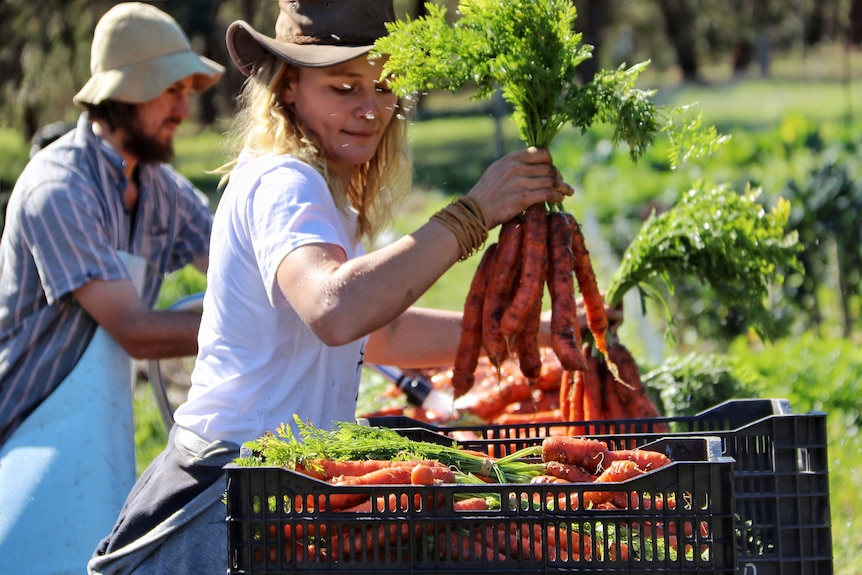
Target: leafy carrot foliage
<point x="530" y="51"/>
<point x="725" y="239"/>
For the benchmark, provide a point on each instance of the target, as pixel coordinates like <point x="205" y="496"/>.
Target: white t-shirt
<point x="258" y="364"/>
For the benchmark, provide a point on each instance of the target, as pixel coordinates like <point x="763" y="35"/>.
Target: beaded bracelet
<point x="465" y="218"/>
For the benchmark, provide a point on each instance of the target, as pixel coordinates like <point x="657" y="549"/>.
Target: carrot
<point x="552" y="372"/>
<point x="586" y="453"/>
<point x="616" y="472"/>
<point x="384" y="476"/>
<point x="619" y="470"/>
<point x="630" y="388"/>
<point x="569" y="472"/>
<point x="568" y="540"/>
<point x="470" y="344"/>
<point x="534" y="257"/>
<point x="365" y="541"/>
<point x="326" y="469"/>
<point x="547" y="479"/>
<point x="576" y="408"/>
<point x="299" y="530"/>
<point x="514" y="541"/>
<point x="471" y="504"/>
<point x="565" y="332"/>
<point x="302" y="552"/>
<point x="504" y="271"/>
<point x="527" y="340"/>
<point x="457" y="546"/>
<point x="540" y="401"/>
<point x="421" y="475"/>
<point x="623" y="548"/>
<point x="592" y="387"/>
<point x="612" y="407"/>
<point x="566" y="394"/>
<point x="594" y="305"/>
<point x="546" y="416"/>
<point x="643" y="458"/>
<point x="489" y="404"/>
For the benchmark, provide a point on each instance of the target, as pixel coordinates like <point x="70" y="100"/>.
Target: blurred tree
<point x="679" y="18"/>
<point x="827" y="209"/>
<point x="44" y="59"/>
<point x="199" y="19"/>
<point x="44" y="56"/>
<point x="855" y="23"/>
<point x="593" y="18"/>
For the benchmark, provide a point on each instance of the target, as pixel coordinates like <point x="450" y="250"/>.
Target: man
<point x="101" y="191"/>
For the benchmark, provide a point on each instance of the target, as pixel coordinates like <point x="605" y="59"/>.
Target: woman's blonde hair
<point x="263" y="125"/>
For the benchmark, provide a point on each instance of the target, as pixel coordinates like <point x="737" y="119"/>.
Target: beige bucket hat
<point x="138" y="51"/>
<point x="312" y="33"/>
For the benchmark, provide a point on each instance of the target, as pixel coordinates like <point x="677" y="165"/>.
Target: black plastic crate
<point x="781" y="476"/>
<point x="678" y="519"/>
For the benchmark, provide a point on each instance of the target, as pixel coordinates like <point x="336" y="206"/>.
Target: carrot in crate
<point x="328" y="468"/>
<point x="643" y="458"/>
<point x="544" y="416"/>
<point x="569" y="472"/>
<point x="615" y="472"/>
<point x="590" y="454"/>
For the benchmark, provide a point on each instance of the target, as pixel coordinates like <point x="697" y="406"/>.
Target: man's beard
<point x="146" y="148"/>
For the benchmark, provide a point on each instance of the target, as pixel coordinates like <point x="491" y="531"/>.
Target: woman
<point x="294" y="304"/>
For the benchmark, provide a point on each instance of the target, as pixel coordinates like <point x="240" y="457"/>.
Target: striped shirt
<point x="64" y="229"/>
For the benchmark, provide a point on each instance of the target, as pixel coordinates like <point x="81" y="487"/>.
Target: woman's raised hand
<point x="516" y="181"/>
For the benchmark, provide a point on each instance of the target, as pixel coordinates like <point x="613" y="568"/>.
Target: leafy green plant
<point x="726" y="240"/>
<point x="181" y="283"/>
<point x="827" y="208"/>
<point x="687" y="385"/>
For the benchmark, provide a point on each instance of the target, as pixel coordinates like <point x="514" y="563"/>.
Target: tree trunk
<point x="679" y="17"/>
<point x="592" y="18"/>
<point x="855" y="32"/>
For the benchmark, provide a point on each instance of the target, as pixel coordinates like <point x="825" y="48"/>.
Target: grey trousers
<point x="174" y="518"/>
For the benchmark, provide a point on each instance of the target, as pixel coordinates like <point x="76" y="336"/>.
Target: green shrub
<point x="687" y="385"/>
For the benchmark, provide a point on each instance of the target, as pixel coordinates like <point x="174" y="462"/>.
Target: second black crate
<point x="781" y="475"/>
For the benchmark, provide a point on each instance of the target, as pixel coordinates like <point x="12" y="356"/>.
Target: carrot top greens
<point x="349" y="440"/>
<point x="726" y="240"/>
<point x="529" y="50"/>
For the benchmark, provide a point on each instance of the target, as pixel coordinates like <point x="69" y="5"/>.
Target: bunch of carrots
<point x="545" y="246"/>
<point x="596" y="393"/>
<point x="564" y="460"/>
<point x="504" y="303"/>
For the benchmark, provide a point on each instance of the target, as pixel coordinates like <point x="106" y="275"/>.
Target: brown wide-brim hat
<point x="138" y="52"/>
<point x="312" y="33"/>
